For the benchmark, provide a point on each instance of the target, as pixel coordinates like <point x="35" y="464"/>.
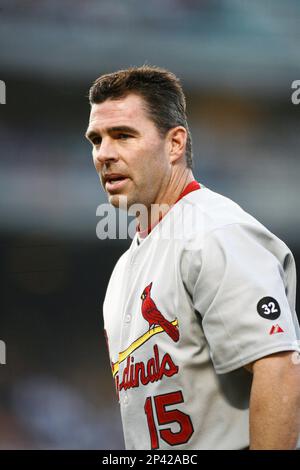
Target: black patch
<point x="268" y="307"/>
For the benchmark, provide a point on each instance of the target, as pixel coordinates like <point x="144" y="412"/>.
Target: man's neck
<point x="166" y="198"/>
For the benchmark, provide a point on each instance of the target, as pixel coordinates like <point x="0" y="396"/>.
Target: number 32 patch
<point x="268" y="307"/>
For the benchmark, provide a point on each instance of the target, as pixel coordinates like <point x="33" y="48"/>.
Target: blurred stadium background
<point x="237" y="60"/>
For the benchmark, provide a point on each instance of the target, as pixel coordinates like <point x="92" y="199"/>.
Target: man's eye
<point x="123" y="136"/>
<point x="96" y="140"/>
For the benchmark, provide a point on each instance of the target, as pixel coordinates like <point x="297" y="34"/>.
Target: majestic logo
<point x="154" y="317"/>
<point x="276" y="329"/>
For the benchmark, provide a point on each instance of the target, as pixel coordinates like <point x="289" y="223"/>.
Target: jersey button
<point x="128" y="318"/>
<point x="125" y="400"/>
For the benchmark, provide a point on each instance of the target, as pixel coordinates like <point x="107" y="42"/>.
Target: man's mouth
<point x="115" y="182"/>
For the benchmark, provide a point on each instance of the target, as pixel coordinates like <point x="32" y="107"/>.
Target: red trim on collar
<point x="192" y="186"/>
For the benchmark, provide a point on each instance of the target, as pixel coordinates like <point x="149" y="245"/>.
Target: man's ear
<point x="177" y="137"/>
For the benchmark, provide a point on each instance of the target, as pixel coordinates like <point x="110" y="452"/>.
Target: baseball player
<point x="199" y="313"/>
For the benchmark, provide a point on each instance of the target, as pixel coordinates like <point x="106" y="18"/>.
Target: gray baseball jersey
<point x="209" y="290"/>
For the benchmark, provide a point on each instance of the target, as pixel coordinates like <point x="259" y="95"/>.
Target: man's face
<point x="129" y="155"/>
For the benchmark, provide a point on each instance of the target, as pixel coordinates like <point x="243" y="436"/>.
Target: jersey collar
<point x="192" y="186"/>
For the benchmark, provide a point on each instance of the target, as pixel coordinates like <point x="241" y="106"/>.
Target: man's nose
<point x="105" y="152"/>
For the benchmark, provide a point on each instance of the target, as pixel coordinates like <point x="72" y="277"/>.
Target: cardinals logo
<point x="157" y="325"/>
<point x="154" y="317"/>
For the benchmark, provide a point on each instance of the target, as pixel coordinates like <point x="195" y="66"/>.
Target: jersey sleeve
<point x="240" y="290"/>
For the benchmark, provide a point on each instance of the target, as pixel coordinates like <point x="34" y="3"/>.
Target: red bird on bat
<point x="154" y="317"/>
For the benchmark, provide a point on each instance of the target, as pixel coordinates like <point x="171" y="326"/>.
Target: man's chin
<point x="118" y="200"/>
<point x="122" y="201"/>
<point x="114" y="199"/>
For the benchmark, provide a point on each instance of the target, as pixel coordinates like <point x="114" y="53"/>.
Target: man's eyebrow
<point x="92" y="133"/>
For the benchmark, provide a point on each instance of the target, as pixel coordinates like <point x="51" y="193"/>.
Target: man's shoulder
<point x="218" y="218"/>
<point x="205" y="211"/>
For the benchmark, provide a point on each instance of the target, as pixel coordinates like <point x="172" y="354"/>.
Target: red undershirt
<point x="192" y="186"/>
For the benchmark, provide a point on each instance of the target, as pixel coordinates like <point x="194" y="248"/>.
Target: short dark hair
<point x="162" y="93"/>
